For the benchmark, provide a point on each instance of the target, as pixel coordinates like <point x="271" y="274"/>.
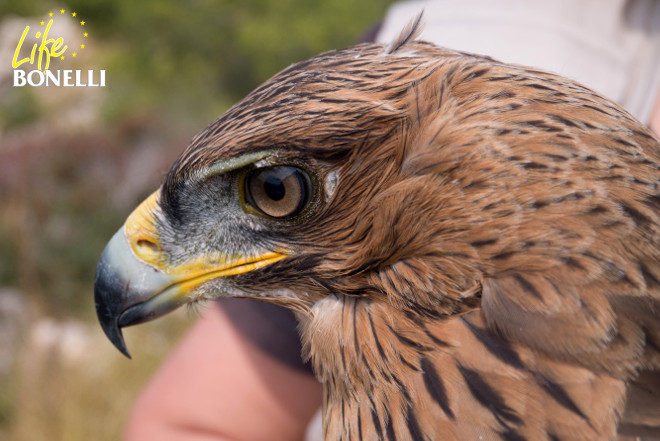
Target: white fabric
<point x="611" y="46"/>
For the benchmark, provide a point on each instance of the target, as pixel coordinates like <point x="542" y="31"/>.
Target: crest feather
<point x="409" y="33"/>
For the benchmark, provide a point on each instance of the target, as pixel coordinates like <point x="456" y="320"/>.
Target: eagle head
<point x="472" y="247"/>
<point x="297" y="192"/>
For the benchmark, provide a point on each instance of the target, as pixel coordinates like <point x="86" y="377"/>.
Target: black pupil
<point x="274" y="188"/>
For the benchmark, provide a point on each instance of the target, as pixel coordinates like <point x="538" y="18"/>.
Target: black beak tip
<point x="109" y="306"/>
<point x="114" y="334"/>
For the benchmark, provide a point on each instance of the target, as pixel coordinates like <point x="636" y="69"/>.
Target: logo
<point x="39" y="45"/>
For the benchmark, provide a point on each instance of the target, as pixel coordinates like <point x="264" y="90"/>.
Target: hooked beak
<point x="134" y="282"/>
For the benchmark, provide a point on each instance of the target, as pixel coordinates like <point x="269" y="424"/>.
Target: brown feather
<point x="488" y="266"/>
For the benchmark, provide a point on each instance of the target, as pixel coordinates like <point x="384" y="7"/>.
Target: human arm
<point x="219" y="386"/>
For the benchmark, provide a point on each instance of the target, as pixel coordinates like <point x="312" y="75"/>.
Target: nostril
<point x="147" y="246"/>
<point x="147" y="249"/>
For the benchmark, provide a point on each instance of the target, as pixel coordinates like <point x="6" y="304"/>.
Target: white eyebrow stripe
<point x="230" y="164"/>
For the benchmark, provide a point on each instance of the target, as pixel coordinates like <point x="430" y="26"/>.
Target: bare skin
<point x="217" y="386"/>
<point x="654" y="121"/>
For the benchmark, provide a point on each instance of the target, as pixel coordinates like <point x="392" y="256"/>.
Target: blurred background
<point x="74" y="162"/>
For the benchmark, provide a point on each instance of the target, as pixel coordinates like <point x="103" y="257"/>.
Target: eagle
<point x="472" y="248"/>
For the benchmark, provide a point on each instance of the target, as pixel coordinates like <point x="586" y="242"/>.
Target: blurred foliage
<point x="19" y="108"/>
<point x="197" y="57"/>
<point x="22" y="7"/>
<point x="73" y="386"/>
<point x="59" y="209"/>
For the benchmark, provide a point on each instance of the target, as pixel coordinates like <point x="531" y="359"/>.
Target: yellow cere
<point x="140" y="231"/>
<point x="141" y="234"/>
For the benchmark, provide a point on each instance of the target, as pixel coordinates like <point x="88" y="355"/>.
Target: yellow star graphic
<point x="42" y="23"/>
<point x="82" y="46"/>
<point x="73" y="54"/>
<point x="73" y="14"/>
<point x="62" y="57"/>
<point x="61" y="11"/>
<point x="82" y="23"/>
<point x="85" y="34"/>
<point x="50" y="13"/>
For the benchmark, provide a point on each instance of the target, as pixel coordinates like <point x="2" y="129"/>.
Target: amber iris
<point x="280" y="191"/>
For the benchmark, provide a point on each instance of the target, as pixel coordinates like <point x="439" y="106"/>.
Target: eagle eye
<point x="280" y="191"/>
